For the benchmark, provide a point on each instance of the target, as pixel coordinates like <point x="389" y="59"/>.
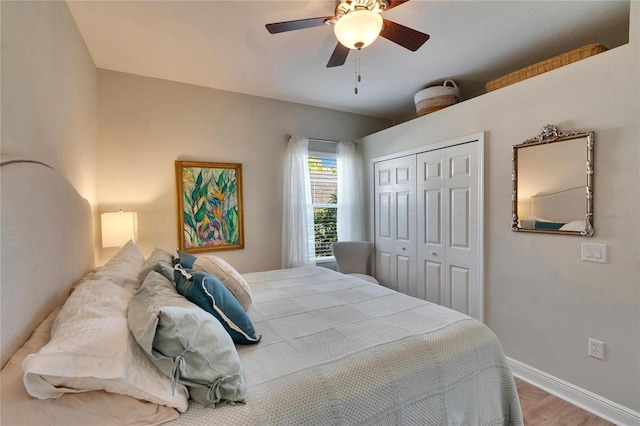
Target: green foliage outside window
<point x="323" y="172"/>
<point x="325" y="226"/>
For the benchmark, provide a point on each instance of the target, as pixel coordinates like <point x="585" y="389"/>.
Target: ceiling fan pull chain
<point x="358" y="76"/>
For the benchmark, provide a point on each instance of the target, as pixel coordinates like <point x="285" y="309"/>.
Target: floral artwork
<point x="209" y="206"/>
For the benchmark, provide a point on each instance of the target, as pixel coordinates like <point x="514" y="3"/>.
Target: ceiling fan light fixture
<point x="358" y="28"/>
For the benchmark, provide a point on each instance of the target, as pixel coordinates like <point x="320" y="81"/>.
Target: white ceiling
<point x="224" y="45"/>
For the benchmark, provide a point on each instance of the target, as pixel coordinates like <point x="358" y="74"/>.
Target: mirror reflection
<point x="553" y="183"/>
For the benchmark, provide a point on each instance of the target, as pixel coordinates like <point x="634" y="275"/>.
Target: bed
<point x="562" y="210"/>
<point x="334" y="349"/>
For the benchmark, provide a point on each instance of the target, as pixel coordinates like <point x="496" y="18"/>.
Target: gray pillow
<point x="123" y="268"/>
<point x="185" y="342"/>
<point x="160" y="261"/>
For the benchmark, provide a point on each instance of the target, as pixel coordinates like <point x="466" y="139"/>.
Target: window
<point x="323" y="171"/>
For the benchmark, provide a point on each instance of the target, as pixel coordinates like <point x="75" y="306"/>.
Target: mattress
<point x="339" y="350"/>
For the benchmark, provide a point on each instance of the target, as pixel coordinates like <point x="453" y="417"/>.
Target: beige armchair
<point x="352" y="258"/>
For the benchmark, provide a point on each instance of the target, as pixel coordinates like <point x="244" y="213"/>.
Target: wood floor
<point x="542" y="408"/>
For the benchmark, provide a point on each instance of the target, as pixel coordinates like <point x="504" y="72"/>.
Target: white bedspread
<point x="339" y="350"/>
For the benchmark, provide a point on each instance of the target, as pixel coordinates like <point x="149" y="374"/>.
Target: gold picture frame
<point x="552" y="183"/>
<point x="210" y="213"/>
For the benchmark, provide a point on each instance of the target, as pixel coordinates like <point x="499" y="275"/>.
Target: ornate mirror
<point x="553" y="183"/>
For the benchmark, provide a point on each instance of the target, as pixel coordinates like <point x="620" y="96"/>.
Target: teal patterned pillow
<point x="548" y="225"/>
<point x="185" y="260"/>
<point x="208" y="292"/>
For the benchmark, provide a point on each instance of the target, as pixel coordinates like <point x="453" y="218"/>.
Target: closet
<point x="428" y="232"/>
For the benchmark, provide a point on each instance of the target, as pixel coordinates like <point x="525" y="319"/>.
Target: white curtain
<point x="350" y="216"/>
<point x="298" y="244"/>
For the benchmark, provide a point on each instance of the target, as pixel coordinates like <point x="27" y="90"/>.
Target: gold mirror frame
<point x="551" y="134"/>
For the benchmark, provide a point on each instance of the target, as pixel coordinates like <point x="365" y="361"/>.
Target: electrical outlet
<point x="596" y="349"/>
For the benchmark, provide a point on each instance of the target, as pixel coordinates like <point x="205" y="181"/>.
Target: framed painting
<point x="209" y="206"/>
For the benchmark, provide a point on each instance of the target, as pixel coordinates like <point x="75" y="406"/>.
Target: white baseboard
<point x="589" y="401"/>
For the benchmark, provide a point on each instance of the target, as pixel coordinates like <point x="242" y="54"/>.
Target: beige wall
<point x="146" y="124"/>
<point x="542" y="301"/>
<point x="49" y="91"/>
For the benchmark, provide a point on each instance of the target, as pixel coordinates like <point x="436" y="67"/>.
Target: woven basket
<point x="544" y="66"/>
<point x="437" y="97"/>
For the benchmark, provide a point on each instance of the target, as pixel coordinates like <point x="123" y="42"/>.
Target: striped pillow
<point x="227" y="275"/>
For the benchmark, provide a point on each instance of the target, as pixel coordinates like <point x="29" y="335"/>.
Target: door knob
<point x="433" y="253"/>
<point x="404" y="248"/>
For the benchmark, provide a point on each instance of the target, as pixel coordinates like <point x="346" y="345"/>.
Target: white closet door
<point x="432" y="218"/>
<point x="395" y="222"/>
<point x="449" y="228"/>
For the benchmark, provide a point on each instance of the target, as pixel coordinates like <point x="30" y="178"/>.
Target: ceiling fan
<point x="357" y="23"/>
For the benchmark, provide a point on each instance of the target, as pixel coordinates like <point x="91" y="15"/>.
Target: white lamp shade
<point x="358" y="29"/>
<point x="119" y="228"/>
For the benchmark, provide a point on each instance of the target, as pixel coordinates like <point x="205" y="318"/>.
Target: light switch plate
<point x="594" y="252"/>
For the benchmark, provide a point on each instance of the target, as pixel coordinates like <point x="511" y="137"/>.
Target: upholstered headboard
<point x="562" y="206"/>
<point x="46" y="245"/>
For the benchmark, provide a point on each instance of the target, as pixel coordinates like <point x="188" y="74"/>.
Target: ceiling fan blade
<point x="300" y="24"/>
<point x="339" y="56"/>
<point x="394" y="3"/>
<point x="404" y="36"/>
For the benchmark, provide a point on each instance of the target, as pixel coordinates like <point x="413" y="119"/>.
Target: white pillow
<point x="91" y="349"/>
<point x="231" y="278"/>
<point x="576" y="225"/>
<point x="87" y="408"/>
<point x="123" y="268"/>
